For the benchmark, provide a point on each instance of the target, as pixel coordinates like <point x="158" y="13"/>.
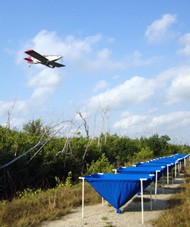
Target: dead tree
<point x="86" y="127"/>
<point x="8" y="122"/>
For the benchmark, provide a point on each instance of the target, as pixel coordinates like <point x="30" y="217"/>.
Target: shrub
<point x="102" y="165"/>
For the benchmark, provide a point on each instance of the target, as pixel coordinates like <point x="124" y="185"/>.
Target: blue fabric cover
<point x="118" y="189"/>
<point x="142" y="170"/>
<point x="163" y="161"/>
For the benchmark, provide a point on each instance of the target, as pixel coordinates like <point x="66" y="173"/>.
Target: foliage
<point x="59" y="184"/>
<point x="159" y="145"/>
<point x="144" y="154"/>
<point x="102" y="165"/>
<point x="35" y="128"/>
<point x="44" y="165"/>
<point x="43" y="179"/>
<point x="178" y="213"/>
<point x="68" y="181"/>
<point x="33" y="208"/>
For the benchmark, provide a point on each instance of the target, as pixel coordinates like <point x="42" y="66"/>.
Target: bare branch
<point x="86" y="127"/>
<point x="19" y="157"/>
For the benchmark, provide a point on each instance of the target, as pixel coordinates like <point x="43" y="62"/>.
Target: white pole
<point x="185" y="163"/>
<point x="102" y="201"/>
<point x="83" y="198"/>
<point x="156" y="182"/>
<point x="115" y="171"/>
<point x="151" y="197"/>
<point x="175" y="169"/>
<point x="82" y="178"/>
<point x="167" y="174"/>
<point x="142" y="205"/>
<point x="180" y="166"/>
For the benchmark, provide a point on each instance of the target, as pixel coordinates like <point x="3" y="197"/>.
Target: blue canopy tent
<point x="118" y="189"/>
<point x="157" y="170"/>
<point x="169" y="162"/>
<point x="166" y="165"/>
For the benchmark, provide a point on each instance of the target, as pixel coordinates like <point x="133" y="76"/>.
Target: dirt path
<point x="104" y="215"/>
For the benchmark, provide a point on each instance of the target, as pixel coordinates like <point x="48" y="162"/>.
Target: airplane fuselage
<point x="50" y="58"/>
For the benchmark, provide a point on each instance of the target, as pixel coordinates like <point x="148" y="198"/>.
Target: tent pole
<point x="175" y="169"/>
<point x="156" y="183"/>
<point x="82" y="178"/>
<point x="142" y="205"/>
<point x="102" y="201"/>
<point x="167" y="174"/>
<point x="185" y="163"/>
<point x="83" y="198"/>
<point x="151" y="197"/>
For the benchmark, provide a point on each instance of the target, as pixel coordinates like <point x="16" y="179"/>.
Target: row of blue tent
<point x="119" y="188"/>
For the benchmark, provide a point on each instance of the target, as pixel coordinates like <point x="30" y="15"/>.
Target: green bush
<point x="143" y="155"/>
<point x="102" y="165"/>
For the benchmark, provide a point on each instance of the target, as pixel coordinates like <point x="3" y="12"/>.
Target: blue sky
<point x="127" y="66"/>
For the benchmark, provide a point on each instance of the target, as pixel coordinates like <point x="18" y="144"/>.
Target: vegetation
<point x="31" y="208"/>
<point x="38" y="166"/>
<point x="178" y="213"/>
<point x="33" y="157"/>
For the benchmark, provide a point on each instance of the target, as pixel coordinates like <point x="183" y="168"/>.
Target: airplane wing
<point x="36" y="55"/>
<point x="56" y="64"/>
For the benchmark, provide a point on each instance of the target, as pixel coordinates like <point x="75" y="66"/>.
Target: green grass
<point x="32" y="208"/>
<point x="178" y="214"/>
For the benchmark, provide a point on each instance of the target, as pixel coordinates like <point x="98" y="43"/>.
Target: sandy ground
<point x="102" y="215"/>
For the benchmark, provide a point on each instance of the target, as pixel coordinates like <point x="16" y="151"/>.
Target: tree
<point x="144" y="154"/>
<point x="159" y="145"/>
<point x="35" y="127"/>
<point x="102" y="165"/>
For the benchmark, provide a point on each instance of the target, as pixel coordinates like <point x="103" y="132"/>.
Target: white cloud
<point x="179" y="88"/>
<point x="44" y="84"/>
<point x="136" y="90"/>
<point x="102" y="84"/>
<point x="17" y="107"/>
<point x="172" y="120"/>
<point x="159" y="30"/>
<point x="145" y="125"/>
<point x="45" y="77"/>
<point x="128" y="120"/>
<point x="136" y="59"/>
<point x="83" y="54"/>
<point x="47" y="42"/>
<point x="4" y="107"/>
<point x="185" y="40"/>
<point x="171" y="86"/>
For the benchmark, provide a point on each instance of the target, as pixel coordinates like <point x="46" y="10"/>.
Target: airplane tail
<point x="29" y="60"/>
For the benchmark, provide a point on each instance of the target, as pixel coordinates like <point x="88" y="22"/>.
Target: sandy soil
<point x="105" y="215"/>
